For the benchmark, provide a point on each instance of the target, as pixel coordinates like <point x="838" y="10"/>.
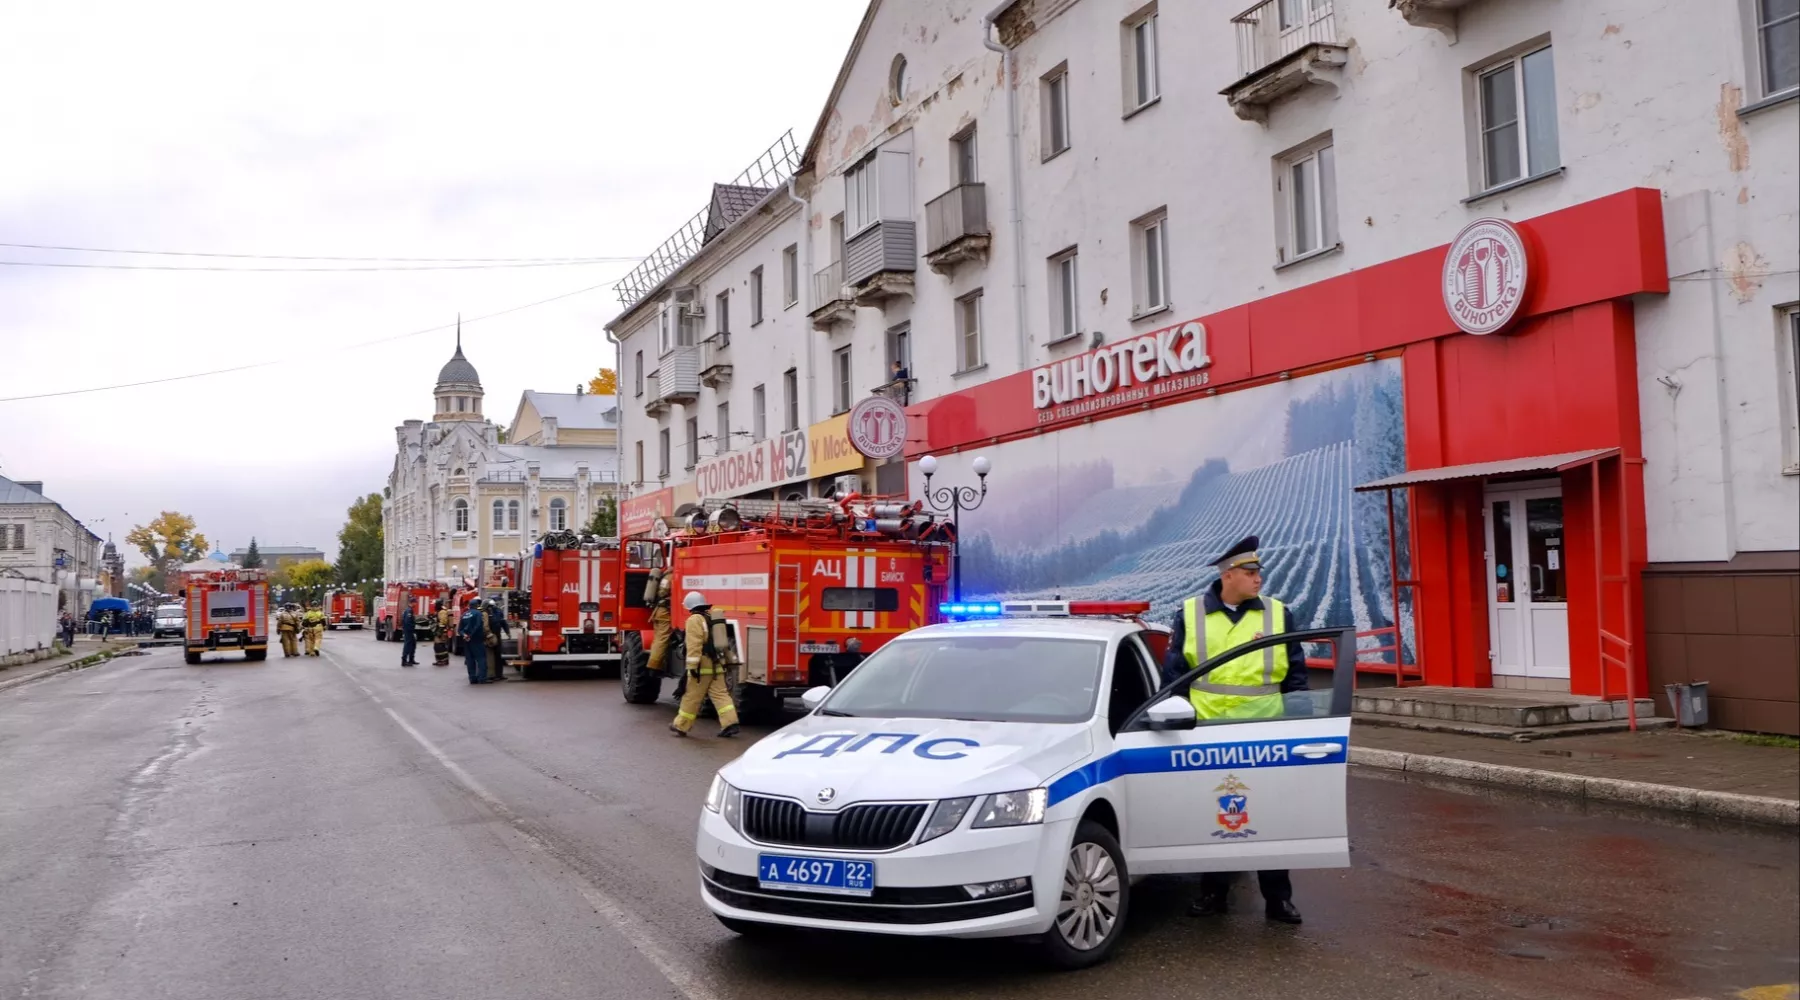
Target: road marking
<point x="634" y="929"/>
<point x="1783" y="991"/>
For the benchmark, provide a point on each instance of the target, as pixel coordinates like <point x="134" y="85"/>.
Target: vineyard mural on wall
<point x="1133" y="507"/>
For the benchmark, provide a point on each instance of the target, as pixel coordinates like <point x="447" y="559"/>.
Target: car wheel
<point x="1092" y="903"/>
<point x="636" y="682"/>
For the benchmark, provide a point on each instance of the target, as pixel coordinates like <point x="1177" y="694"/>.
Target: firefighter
<point x="656" y="594"/>
<point x="440" y="643"/>
<point x="494" y="628"/>
<point x="709" y="656"/>
<point x="1232" y="612"/>
<point x="312" y="621"/>
<point x="287" y="625"/>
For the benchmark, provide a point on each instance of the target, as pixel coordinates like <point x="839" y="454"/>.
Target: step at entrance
<point x="1497" y="713"/>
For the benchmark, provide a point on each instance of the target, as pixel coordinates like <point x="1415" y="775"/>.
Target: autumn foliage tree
<point x="168" y="541"/>
<point x="604" y="384"/>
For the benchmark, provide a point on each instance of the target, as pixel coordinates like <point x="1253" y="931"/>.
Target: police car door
<point x="1235" y="795"/>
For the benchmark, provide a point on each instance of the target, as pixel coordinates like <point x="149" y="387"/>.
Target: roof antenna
<point x="459" y="333"/>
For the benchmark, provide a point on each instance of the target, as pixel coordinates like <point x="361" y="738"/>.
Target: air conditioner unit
<point x="846" y="485"/>
<point x="692" y="310"/>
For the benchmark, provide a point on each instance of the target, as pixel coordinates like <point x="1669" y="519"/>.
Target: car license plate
<point x="792" y="872"/>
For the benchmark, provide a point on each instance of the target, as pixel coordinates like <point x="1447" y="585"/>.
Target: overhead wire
<point x="291" y="270"/>
<point x="291" y="256"/>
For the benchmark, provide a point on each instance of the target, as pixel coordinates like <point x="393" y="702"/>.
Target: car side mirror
<point x="1171" y="713"/>
<point x="814" y="697"/>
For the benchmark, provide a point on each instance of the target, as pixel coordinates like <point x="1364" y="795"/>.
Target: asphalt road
<point x="343" y="828"/>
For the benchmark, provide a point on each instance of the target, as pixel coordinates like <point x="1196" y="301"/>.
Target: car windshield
<point x="170" y="611"/>
<point x="980" y="678"/>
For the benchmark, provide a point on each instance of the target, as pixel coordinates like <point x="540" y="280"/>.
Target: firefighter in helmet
<point x="287" y="625"/>
<point x="1232" y="612"/>
<point x="440" y="640"/>
<point x="656" y="594"/>
<point x="710" y="655"/>
<point x="312" y="623"/>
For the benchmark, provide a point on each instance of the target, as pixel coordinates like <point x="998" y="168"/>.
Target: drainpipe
<point x="1017" y="219"/>
<point x="803" y="289"/>
<point x="619" y="491"/>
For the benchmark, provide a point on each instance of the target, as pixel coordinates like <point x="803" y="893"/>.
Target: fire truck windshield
<point x="975" y="678"/>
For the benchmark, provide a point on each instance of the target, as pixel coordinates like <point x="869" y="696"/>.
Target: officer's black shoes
<point x="729" y="731"/>
<point x="1210" y="906"/>
<point x="676" y="730"/>
<point x="1283" y="912"/>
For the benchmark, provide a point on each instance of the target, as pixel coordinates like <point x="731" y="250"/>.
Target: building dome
<point x="458" y="392"/>
<point x="457" y="370"/>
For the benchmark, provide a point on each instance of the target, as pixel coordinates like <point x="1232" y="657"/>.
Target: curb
<point x="1723" y="805"/>
<point x="77" y="664"/>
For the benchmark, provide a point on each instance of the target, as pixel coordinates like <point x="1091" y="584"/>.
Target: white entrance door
<point x="1528" y="597"/>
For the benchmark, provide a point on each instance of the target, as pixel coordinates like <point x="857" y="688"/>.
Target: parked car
<point x="171" y="620"/>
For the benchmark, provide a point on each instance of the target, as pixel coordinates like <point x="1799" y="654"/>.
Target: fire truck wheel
<point x="756" y="705"/>
<point x="256" y="654"/>
<point x="636" y="682"/>
<point x="193" y="658"/>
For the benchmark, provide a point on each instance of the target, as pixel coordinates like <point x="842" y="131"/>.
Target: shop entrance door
<point x="1528" y="598"/>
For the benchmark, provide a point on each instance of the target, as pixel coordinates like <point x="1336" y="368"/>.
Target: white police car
<point x="1010" y="777"/>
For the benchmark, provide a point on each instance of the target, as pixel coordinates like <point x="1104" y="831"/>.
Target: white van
<point x="171" y="619"/>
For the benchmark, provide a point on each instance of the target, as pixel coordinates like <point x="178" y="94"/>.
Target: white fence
<point x="27" y="615"/>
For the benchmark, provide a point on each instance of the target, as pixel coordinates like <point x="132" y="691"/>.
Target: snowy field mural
<point x="1133" y="507"/>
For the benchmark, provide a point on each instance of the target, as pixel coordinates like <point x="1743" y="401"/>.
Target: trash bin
<point x="1688" y="702"/>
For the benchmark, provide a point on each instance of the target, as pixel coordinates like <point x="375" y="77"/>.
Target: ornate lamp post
<point x="954" y="500"/>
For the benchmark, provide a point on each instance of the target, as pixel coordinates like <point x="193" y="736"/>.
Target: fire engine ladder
<point x="787" y="615"/>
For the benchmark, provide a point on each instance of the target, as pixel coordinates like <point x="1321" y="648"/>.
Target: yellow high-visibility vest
<point x="1248" y="687"/>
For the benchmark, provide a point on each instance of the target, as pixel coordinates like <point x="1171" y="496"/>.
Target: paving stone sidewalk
<point x="1701" y="760"/>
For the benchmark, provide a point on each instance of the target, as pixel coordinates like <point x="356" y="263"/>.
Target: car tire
<point x="636" y="681"/>
<point x="1081" y="931"/>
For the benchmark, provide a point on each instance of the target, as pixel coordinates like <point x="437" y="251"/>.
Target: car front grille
<point x="877" y="826"/>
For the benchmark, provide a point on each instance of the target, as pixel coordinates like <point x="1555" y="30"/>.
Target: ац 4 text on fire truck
<point x="806" y="587"/>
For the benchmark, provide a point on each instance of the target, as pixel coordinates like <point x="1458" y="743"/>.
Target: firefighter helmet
<point x="694" y="599"/>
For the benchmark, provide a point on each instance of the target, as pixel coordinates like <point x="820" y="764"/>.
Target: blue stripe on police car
<point x="1201" y="757"/>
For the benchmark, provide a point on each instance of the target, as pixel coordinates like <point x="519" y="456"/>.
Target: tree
<point x="167" y="541"/>
<point x="253" y="556"/>
<point x="311" y="577"/>
<point x="360" y="546"/>
<point x="604" y="384"/>
<point x="605" y="521"/>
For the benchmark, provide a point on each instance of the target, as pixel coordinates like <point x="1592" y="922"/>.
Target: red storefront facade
<point x="1554" y="397"/>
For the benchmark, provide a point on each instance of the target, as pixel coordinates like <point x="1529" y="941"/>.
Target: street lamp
<point x="954" y="500"/>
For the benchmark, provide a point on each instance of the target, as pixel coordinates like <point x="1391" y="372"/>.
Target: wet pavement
<point x="341" y="827"/>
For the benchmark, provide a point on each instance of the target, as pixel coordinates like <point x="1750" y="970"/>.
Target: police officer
<point x="409" y="637"/>
<point x="1231" y="612"/>
<point x="709" y="655"/>
<point x="656" y="594"/>
<point x="287" y="625"/>
<point x="474" y="648"/>
<point x="312" y="622"/>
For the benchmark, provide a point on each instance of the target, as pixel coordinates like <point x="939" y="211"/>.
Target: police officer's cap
<point x="1240" y="556"/>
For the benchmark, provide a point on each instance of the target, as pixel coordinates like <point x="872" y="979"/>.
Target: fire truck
<point x="343" y="609"/>
<point x="227" y="609"/>
<point x="807" y="588"/>
<point x="574" y="603"/>
<point x="422" y="595"/>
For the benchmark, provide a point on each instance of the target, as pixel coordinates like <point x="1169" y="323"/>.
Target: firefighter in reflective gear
<point x="312" y="624"/>
<point x="287" y="625"/>
<point x="1232" y="612"/>
<point x="440" y="643"/>
<point x="656" y="594"/>
<point x="710" y="655"/>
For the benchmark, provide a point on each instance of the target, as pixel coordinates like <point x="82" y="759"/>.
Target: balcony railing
<point x="958" y="212"/>
<point x="654" y="403"/>
<point x="715" y="360"/>
<point x="1275" y="29"/>
<point x="829" y="287"/>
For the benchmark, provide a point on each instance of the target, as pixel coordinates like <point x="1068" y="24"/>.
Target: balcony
<point x="1283" y="47"/>
<point x="654" y="404"/>
<point x="956" y="228"/>
<point x="899" y="390"/>
<point x="678" y="377"/>
<point x="1439" y="14"/>
<point x="879" y="261"/>
<point x="831" y="297"/>
<point x="715" y="363"/>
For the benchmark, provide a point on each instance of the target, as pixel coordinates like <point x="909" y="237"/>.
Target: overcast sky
<point x="391" y="129"/>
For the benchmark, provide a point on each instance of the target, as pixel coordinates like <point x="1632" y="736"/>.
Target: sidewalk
<point x="1693" y="771"/>
<point x="85" y="647"/>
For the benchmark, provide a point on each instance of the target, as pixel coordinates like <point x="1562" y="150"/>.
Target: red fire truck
<point x="227" y="609"/>
<point x="422" y="595"/>
<point x="343" y="609"/>
<point x="808" y="588"/>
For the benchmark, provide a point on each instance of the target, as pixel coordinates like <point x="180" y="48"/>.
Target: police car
<point x="1009" y="774"/>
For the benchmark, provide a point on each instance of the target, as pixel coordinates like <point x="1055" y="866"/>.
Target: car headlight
<point x="1021" y="808"/>
<point x="946" y="817"/>
<point x="725" y="799"/>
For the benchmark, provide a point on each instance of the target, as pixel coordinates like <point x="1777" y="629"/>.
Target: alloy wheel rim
<point x="1089" y="907"/>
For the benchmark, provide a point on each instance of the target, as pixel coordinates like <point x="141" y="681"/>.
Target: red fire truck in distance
<point x="808" y="588"/>
<point x="343" y="609"/>
<point x="422" y="595"/>
<point x="227" y="609"/>
<point x="569" y="605"/>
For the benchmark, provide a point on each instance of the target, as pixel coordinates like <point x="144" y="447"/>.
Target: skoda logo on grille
<point x="827" y="794"/>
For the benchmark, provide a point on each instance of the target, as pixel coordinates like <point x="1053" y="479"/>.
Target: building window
<point x="637" y="375"/>
<point x="756" y="294"/>
<point x="722" y="316"/>
<point x="899" y="352"/>
<point x="462" y="404"/>
<point x="897" y="81"/>
<point x="1518" y="119"/>
<point x="1150" y="262"/>
<point x="499" y="515"/>
<point x="665" y="329"/>
<point x="512" y="506"/>
<point x="1141" y="85"/>
<point x="1790" y="382"/>
<point x="723" y="445"/>
<point x="637" y="450"/>
<point x="840" y="380"/>
<point x="963" y="161"/>
<point x="759" y="413"/>
<point x="559" y="514"/>
<point x="862" y="195"/>
<point x="460" y="514"/>
<point x="1065" y="314"/>
<point x="1055" y="104"/>
<point x="1778" y="45"/>
<point x="662" y="445"/>
<point x="790" y="275"/>
<point x="1306" y="199"/>
<point x="790" y="387"/>
<point x="968" y="332"/>
<point x="693" y="442"/>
